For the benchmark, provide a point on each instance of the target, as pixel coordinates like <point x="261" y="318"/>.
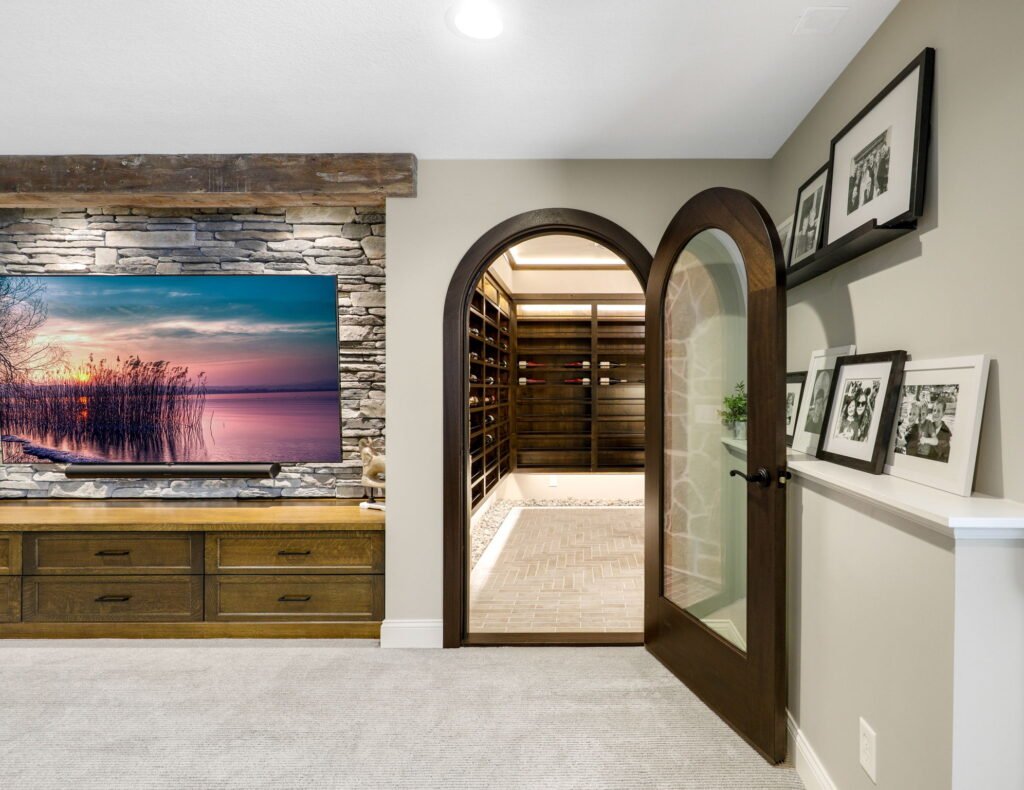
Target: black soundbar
<point x="173" y="471"/>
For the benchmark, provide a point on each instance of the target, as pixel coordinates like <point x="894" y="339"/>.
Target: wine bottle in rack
<point x="605" y="382"/>
<point x="489" y="360"/>
<point x="490" y="339"/>
<point x="474" y="379"/>
<point x="604" y="363"/>
<point x="489" y="380"/>
<point x="488" y="438"/>
<point x="584" y="363"/>
<point x="474" y="400"/>
<point x="503" y="345"/>
<point x="503" y="363"/>
<point x="474" y="357"/>
<point x="579" y="382"/>
<point x="526" y="364"/>
<point x="523" y="380"/>
<point x="490" y="419"/>
<point x="474" y="331"/>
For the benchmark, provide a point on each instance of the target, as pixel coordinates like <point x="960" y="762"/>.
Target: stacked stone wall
<point x="345" y="242"/>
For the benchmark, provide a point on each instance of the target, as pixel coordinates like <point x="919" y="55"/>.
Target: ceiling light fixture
<point x="476" y="19"/>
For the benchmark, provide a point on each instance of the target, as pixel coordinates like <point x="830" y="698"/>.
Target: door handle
<point x="113" y="553"/>
<point x="294" y="598"/>
<point x="762" y="476"/>
<point x="113" y="599"/>
<point x="286" y="553"/>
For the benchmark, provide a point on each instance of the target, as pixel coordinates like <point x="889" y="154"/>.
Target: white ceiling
<point x="567" y="79"/>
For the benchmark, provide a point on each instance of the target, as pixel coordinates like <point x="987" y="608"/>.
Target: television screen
<point x="179" y="369"/>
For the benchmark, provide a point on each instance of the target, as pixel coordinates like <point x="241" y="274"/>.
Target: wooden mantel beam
<point x="205" y="180"/>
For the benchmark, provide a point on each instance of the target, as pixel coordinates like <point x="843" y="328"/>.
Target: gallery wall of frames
<point x="872" y="189"/>
<point x="881" y="412"/>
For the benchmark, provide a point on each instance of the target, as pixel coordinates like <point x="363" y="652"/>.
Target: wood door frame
<point x="722" y="675"/>
<point x="530" y="224"/>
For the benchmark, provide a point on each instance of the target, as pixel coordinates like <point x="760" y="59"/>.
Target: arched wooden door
<point x="715" y="503"/>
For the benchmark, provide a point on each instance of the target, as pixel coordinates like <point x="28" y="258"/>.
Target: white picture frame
<point x="823" y="361"/>
<point x="945" y="460"/>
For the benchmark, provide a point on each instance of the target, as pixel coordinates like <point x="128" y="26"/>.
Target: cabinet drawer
<point x="298" y="598"/>
<point x="10" y="599"/>
<point x="295" y="552"/>
<point x="91" y="599"/>
<point x="120" y="553"/>
<point x="10" y="553"/>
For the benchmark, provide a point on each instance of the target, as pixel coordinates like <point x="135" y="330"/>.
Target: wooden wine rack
<point x="490" y="331"/>
<point x="564" y="427"/>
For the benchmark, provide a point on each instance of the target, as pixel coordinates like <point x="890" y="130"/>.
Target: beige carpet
<point x="314" y="715"/>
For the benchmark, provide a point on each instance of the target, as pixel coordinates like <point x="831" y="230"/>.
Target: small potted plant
<point x="734" y="411"/>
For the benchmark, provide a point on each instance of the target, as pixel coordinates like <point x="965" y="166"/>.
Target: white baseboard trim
<point x="810" y="769"/>
<point x="412" y="633"/>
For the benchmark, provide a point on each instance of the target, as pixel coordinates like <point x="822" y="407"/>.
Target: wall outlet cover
<point x="869" y="751"/>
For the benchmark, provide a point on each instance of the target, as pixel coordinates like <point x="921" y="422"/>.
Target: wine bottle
<point x="585" y="363"/>
<point x="503" y="345"/>
<point x="488" y="438"/>
<point x="474" y="331"/>
<point x="490" y="419"/>
<point x="581" y="382"/>
<point x="525" y="364"/>
<point x="524" y="381"/>
<point x="475" y="357"/>
<point x="608" y="381"/>
<point x="503" y="363"/>
<point x="490" y="339"/>
<point x="490" y="360"/>
<point x="474" y="400"/>
<point x="608" y="364"/>
<point x="473" y="378"/>
<point x="489" y="380"/>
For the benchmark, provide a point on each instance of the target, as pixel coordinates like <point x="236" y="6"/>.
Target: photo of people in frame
<point x="819" y="400"/>
<point x="808" y="224"/>
<point x="857" y="409"/>
<point x="924" y="427"/>
<point x="869" y="172"/>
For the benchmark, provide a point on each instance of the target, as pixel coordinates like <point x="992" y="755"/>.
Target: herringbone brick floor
<point x="563" y="570"/>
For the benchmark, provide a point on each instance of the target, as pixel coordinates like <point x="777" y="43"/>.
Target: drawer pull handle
<point x="294" y="598"/>
<point x="286" y="553"/>
<point x="113" y="598"/>
<point x="113" y="553"/>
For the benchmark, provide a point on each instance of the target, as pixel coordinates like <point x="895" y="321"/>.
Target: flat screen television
<point x="196" y="369"/>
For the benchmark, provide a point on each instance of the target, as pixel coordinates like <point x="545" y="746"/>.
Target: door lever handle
<point x="762" y="476"/>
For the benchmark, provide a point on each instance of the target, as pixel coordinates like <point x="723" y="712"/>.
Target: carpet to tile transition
<point x="315" y="715"/>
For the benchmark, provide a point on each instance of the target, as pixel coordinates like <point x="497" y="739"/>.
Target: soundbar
<point x="173" y="471"/>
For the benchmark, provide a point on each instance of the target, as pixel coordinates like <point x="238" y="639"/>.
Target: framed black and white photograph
<point x="809" y="225"/>
<point x="814" y="401"/>
<point x="938" y="423"/>
<point x="879" y="159"/>
<point x="786" y="237"/>
<point x="861" y="411"/>
<point x="794" y="394"/>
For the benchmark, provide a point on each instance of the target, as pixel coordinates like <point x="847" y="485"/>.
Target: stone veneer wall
<point x="347" y="242"/>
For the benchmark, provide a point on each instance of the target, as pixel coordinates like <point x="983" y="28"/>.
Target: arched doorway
<point x="513" y="231"/>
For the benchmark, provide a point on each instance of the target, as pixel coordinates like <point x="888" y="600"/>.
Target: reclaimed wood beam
<point x="206" y="180"/>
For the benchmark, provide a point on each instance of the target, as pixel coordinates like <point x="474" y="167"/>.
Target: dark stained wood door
<point x="716" y="500"/>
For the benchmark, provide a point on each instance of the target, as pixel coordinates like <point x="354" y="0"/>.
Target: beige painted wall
<point x="871" y="599"/>
<point x="427" y="237"/>
<point x="954" y="287"/>
<point x="870" y="635"/>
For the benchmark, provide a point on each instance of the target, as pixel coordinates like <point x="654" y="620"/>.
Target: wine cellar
<point x="556" y="384"/>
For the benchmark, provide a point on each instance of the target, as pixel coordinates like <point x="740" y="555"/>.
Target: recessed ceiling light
<point x="477" y="19"/>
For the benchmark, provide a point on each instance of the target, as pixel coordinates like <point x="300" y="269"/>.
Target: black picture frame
<point x="887" y="413"/>
<point x="922" y="136"/>
<point x="822" y="234"/>
<point x="801" y="379"/>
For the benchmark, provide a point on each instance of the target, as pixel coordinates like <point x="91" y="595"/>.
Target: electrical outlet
<point x="868" y="751"/>
<point x="552" y="481"/>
